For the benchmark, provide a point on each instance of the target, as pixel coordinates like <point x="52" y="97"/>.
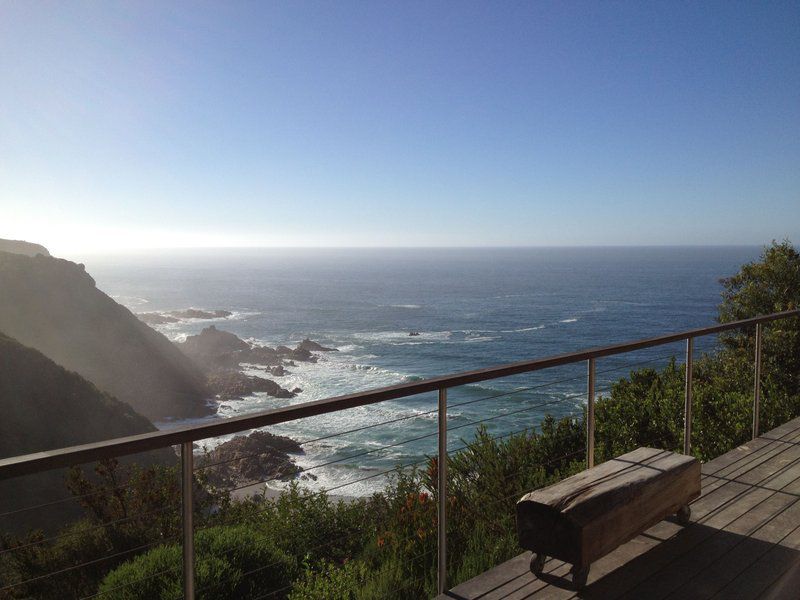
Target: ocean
<point x="472" y="308"/>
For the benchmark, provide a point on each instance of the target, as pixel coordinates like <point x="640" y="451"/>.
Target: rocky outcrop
<point x="235" y="384"/>
<point x="311" y="346"/>
<point x="213" y="348"/>
<point x="255" y="458"/>
<point x="24" y="248"/>
<point x="216" y="349"/>
<point x="278" y="371"/>
<point x="53" y="305"/>
<point x="154" y="318"/>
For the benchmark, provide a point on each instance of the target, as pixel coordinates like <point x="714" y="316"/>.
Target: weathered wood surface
<point x="584" y="517"/>
<point x="743" y="541"/>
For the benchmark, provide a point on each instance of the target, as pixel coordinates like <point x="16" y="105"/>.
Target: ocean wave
<point x="130" y="300"/>
<point x="522" y="329"/>
<point x="572" y="320"/>
<point x="349" y="348"/>
<point x="409" y="306"/>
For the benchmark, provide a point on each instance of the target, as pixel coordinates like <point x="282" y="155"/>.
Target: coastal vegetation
<point x="310" y="545"/>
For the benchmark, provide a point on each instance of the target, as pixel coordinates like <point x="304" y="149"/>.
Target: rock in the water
<point x="278" y="371"/>
<point x="213" y="348"/>
<point x="260" y="355"/>
<point x="234" y="384"/>
<point x="154" y="318"/>
<point x="255" y="458"/>
<point x="298" y="353"/>
<point x="311" y="346"/>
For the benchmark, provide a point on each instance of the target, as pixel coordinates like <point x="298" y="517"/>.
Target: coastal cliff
<point x="53" y="305"/>
<point x="24" y="248"/>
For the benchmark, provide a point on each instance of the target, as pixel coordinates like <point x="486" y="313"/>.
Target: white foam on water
<point x="523" y="329"/>
<point x="568" y="320"/>
<point x="131" y="301"/>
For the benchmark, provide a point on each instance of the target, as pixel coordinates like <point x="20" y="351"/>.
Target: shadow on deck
<point x="743" y="542"/>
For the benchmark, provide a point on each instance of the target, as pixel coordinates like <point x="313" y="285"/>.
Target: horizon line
<point x="453" y="247"/>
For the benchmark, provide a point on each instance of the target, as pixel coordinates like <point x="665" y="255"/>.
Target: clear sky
<point x="128" y="124"/>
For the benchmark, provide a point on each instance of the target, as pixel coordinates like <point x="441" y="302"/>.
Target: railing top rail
<point x="63" y="457"/>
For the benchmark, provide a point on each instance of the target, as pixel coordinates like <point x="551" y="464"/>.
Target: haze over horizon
<point x="130" y="126"/>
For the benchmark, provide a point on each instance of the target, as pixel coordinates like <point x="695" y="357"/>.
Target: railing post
<point x="442" y="487"/>
<point x="590" y="415"/>
<point x="757" y="382"/>
<point x="687" y="405"/>
<point x="187" y="471"/>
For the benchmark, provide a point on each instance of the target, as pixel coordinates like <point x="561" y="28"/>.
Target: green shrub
<point x="231" y="562"/>
<point x="331" y="582"/>
<point x="356" y="580"/>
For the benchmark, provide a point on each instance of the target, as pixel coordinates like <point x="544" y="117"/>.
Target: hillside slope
<point x="53" y="305"/>
<point x="43" y="407"/>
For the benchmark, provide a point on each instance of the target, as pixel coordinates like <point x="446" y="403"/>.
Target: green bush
<point x="330" y="582"/>
<point x="231" y="562"/>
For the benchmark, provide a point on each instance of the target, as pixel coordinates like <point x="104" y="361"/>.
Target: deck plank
<point x="744" y="541"/>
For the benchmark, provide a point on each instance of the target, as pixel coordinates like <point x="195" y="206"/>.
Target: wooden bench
<point x="586" y="516"/>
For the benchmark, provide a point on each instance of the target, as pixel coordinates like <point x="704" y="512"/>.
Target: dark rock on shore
<point x="255" y="458"/>
<point x="235" y="384"/>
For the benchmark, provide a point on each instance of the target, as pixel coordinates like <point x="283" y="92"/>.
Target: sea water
<point x="472" y="308"/>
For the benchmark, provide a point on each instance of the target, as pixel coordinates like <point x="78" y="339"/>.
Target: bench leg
<point x="537" y="563"/>
<point x="579" y="576"/>
<point x="684" y="514"/>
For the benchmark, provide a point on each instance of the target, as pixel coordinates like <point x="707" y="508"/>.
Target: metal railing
<point x="187" y="435"/>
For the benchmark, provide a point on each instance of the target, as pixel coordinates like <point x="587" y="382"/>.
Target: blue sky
<point x="149" y="124"/>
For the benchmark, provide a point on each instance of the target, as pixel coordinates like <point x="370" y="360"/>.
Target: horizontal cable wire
<point x="385" y="472"/>
<point x="66" y="499"/>
<point x="340" y="486"/>
<point x="329" y="542"/>
<point x="449" y="406"/>
<point x="87" y="563"/>
<point x="396" y="444"/>
<point x="93" y="528"/>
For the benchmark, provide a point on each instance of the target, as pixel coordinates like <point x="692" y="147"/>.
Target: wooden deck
<point x="743" y="542"/>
